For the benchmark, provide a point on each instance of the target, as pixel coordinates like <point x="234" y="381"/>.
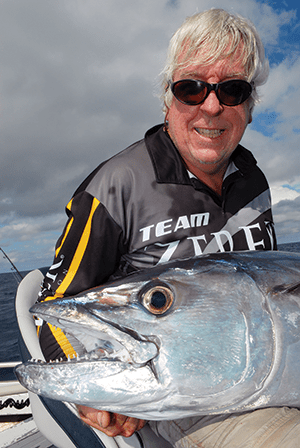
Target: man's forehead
<point x="222" y="68"/>
<point x="203" y="61"/>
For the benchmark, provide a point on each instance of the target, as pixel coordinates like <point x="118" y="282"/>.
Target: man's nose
<point x="212" y="105"/>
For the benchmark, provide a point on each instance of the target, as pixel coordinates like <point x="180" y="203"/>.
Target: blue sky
<point x="80" y="81"/>
<point x="288" y="50"/>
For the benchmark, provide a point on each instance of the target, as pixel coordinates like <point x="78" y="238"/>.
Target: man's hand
<point x="111" y="424"/>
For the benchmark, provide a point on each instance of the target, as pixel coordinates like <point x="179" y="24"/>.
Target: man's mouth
<point x="210" y="133"/>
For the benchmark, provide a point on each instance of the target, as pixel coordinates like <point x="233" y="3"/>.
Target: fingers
<point x="117" y="424"/>
<point x="141" y="424"/>
<point x="111" y="424"/>
<point x="89" y="415"/>
<point x="121" y="425"/>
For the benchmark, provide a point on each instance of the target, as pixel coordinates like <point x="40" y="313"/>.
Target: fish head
<point x="172" y="341"/>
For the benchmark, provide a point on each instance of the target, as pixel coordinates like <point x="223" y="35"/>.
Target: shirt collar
<point x="168" y="163"/>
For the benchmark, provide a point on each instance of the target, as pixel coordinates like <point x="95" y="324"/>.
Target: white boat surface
<point x="17" y="426"/>
<point x="24" y="434"/>
<point x="14" y="399"/>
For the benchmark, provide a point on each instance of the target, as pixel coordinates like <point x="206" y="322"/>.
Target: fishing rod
<point x="14" y="268"/>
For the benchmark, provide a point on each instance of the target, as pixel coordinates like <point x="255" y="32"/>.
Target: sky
<point x="80" y="82"/>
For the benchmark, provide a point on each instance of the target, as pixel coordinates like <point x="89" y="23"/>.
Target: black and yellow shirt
<point x="141" y="208"/>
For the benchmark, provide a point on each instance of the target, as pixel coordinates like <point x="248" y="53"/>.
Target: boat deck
<point x="22" y="435"/>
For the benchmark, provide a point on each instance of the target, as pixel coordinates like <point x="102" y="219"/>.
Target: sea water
<point x="9" y="332"/>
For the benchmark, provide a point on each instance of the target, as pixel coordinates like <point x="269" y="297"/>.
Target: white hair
<point x="220" y="34"/>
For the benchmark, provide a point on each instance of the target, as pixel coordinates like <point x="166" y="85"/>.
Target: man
<point x="187" y="188"/>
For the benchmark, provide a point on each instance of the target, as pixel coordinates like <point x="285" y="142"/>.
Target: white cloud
<point x="278" y="113"/>
<point x="29" y="242"/>
<point x="77" y="85"/>
<point x="282" y="92"/>
<point x="287" y="220"/>
<point x="281" y="193"/>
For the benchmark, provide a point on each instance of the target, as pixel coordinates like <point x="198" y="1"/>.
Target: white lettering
<point x="166" y="227"/>
<point x="52" y="277"/>
<point x="57" y="265"/>
<point x="270" y="233"/>
<point x="228" y="237"/>
<point x="195" y="240"/>
<point x="146" y="232"/>
<point x="171" y="247"/>
<point x="161" y="228"/>
<point x="182" y="223"/>
<point x="249" y="237"/>
<point x="200" y="219"/>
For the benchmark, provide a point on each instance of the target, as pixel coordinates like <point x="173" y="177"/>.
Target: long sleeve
<point x="86" y="254"/>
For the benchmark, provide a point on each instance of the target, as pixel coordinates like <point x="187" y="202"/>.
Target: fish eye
<point x="157" y="299"/>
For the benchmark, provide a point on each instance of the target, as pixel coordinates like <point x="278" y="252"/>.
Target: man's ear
<point x="250" y="117"/>
<point x="166" y="113"/>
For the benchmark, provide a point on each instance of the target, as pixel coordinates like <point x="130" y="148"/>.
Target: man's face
<point x="208" y="133"/>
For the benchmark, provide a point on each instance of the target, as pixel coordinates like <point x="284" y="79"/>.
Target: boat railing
<point x="9" y="385"/>
<point x="13" y="397"/>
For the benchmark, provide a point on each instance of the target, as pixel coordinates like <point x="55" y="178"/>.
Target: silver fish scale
<point x="229" y="342"/>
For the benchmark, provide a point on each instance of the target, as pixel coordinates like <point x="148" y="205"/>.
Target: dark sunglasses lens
<point x="232" y="93"/>
<point x="189" y="92"/>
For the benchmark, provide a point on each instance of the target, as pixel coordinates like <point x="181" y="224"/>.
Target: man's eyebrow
<point x="194" y="75"/>
<point x="234" y="75"/>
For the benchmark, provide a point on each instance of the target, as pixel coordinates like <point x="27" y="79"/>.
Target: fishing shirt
<point x="142" y="207"/>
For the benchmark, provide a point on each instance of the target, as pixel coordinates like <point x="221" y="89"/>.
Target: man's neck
<point x="212" y="180"/>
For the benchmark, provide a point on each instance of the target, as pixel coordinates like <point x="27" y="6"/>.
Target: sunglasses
<point x="193" y="92"/>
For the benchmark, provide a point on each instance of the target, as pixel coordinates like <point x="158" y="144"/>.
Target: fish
<point x="214" y="334"/>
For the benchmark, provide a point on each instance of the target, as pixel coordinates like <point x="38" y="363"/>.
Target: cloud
<point x="278" y="152"/>
<point x="79" y="82"/>
<point x="33" y="239"/>
<point x="282" y="193"/>
<point x="287" y="220"/>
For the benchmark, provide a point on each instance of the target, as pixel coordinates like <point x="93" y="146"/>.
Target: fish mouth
<point x="96" y="338"/>
<point x="112" y="360"/>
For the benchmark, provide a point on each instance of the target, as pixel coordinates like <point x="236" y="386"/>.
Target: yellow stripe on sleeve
<point x="67" y="229"/>
<point x="60" y="337"/>
<point x="79" y="251"/>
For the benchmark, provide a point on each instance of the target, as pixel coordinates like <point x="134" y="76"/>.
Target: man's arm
<point x="90" y="236"/>
<point x="86" y="254"/>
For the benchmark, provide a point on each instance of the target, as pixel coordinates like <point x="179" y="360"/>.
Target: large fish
<point x="214" y="334"/>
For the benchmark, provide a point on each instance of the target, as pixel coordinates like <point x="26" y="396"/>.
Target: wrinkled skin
<point x="207" y="134"/>
<point x="229" y="341"/>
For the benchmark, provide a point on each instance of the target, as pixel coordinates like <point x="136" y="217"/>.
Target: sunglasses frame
<point x="210" y="88"/>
